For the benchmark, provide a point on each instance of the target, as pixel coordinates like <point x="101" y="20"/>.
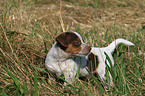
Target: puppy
<point x="96" y="59"/>
<point x="70" y="52"/>
<point x="61" y="57"/>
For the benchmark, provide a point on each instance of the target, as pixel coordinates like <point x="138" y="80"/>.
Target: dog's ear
<point x="62" y="39"/>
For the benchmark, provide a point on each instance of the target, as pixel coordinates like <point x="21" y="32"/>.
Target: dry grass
<point x="28" y="29"/>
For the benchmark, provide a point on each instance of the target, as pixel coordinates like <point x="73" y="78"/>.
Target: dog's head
<point x="71" y="42"/>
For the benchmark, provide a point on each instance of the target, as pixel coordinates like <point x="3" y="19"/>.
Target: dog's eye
<point x="77" y="43"/>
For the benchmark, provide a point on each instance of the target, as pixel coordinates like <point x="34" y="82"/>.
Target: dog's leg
<point x="69" y="77"/>
<point x="101" y="73"/>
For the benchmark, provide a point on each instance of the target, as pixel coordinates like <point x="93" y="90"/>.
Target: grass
<point x="28" y="29"/>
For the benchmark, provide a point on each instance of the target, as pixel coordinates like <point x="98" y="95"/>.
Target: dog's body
<point x="61" y="60"/>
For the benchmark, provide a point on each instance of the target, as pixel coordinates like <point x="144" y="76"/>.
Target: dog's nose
<point x="86" y="49"/>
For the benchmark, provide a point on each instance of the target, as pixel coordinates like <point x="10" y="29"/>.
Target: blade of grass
<point x="88" y="91"/>
<point x="106" y="34"/>
<point x="85" y="3"/>
<point x="30" y="76"/>
<point x="3" y="93"/>
<point x="128" y="88"/>
<point x="45" y="47"/>
<point x="78" y="72"/>
<point x="16" y="81"/>
<point x="25" y="89"/>
<point x="35" y="2"/>
<point x="109" y="60"/>
<point x="61" y="20"/>
<point x="135" y="76"/>
<point x="109" y="68"/>
<point x="96" y="81"/>
<point x="35" y="84"/>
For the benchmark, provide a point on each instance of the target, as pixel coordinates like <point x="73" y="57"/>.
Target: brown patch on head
<point x="72" y="49"/>
<point x="92" y="62"/>
<point x="69" y="42"/>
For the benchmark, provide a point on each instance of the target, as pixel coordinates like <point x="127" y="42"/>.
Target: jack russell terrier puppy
<point x="70" y="53"/>
<point x="61" y="57"/>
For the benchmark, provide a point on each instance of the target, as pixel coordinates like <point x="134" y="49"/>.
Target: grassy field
<point x="28" y="29"/>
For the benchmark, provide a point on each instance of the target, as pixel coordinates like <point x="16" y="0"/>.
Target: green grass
<point x="28" y="29"/>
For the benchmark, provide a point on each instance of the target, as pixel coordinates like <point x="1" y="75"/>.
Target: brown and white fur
<point x="69" y="52"/>
<point x="61" y="57"/>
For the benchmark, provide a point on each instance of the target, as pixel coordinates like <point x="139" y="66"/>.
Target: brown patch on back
<point x="92" y="62"/>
